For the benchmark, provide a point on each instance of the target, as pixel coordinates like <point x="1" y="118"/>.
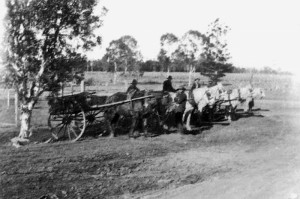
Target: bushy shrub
<point x="90" y="82"/>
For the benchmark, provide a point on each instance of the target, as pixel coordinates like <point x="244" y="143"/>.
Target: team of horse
<point x="201" y="101"/>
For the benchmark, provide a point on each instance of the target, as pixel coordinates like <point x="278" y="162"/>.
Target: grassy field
<point x="277" y="87"/>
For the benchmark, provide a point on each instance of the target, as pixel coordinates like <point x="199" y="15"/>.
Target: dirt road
<point x="264" y="170"/>
<point x="253" y="157"/>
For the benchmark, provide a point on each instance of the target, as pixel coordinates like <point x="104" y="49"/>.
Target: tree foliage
<point x="124" y="52"/>
<point x="45" y="41"/>
<point x="190" y="49"/>
<point x="163" y="60"/>
<point x="215" y="56"/>
<point x="150" y="65"/>
<point x="168" y="43"/>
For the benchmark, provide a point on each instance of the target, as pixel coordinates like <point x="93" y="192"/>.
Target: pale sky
<point x="263" y="32"/>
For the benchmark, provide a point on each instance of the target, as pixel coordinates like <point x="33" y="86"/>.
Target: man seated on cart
<point x="167" y="85"/>
<point x="132" y="89"/>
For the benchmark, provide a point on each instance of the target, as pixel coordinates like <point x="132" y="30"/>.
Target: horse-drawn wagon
<point x="71" y="115"/>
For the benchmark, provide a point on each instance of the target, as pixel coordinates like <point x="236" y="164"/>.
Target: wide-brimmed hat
<point x="134" y="81"/>
<point x="170" y="77"/>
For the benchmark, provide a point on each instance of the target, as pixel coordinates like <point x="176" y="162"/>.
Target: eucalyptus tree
<point x="124" y="53"/>
<point x="133" y="55"/>
<point x="216" y="54"/>
<point x="190" y="50"/>
<point x="45" y="43"/>
<point x="168" y="43"/>
<point x="163" y="60"/>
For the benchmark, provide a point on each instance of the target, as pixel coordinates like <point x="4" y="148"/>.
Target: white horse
<point x="256" y="93"/>
<point x="241" y="97"/>
<point x="202" y="97"/>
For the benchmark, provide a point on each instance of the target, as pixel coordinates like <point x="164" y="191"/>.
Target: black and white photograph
<point x="139" y="99"/>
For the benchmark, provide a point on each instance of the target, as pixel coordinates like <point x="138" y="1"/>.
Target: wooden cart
<point x="71" y="115"/>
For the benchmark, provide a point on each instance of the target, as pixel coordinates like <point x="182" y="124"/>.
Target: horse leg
<point x="110" y="127"/>
<point x="113" y="124"/>
<point x="178" y="121"/>
<point x="107" y="122"/>
<point x="230" y="113"/>
<point x="188" y="121"/>
<point x="199" y="118"/>
<point x="250" y="105"/>
<point x="226" y="112"/>
<point x="166" y="123"/>
<point x="210" y="114"/>
<point x="233" y="113"/>
<point x="144" y="126"/>
<point x="132" y="127"/>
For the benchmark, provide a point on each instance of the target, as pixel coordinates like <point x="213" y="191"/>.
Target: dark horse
<point x="164" y="106"/>
<point x="137" y="110"/>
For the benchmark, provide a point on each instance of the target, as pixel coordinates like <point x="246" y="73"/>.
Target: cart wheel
<point x="67" y="125"/>
<point x="94" y="122"/>
<point x="94" y="117"/>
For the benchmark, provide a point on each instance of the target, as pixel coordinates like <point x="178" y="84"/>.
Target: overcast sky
<point x="263" y="32"/>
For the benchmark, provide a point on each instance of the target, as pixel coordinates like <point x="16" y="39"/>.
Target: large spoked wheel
<point x="94" y="117"/>
<point x="67" y="126"/>
<point x="94" y="120"/>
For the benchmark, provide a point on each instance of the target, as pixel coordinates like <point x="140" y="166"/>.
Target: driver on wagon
<point x="133" y="88"/>
<point x="167" y="85"/>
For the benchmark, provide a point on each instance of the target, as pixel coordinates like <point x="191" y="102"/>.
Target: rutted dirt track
<point x="254" y="157"/>
<point x="263" y="170"/>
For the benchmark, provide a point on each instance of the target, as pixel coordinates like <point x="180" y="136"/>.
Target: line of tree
<point x="193" y="52"/>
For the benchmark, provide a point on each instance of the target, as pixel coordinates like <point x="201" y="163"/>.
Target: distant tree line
<point x="264" y="70"/>
<point x="206" y="53"/>
<point x="155" y="66"/>
<point x="194" y="51"/>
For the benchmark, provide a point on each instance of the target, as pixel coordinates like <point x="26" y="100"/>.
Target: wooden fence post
<point x="62" y="89"/>
<point x="16" y="109"/>
<point x="82" y="86"/>
<point x="72" y="88"/>
<point x="8" y="98"/>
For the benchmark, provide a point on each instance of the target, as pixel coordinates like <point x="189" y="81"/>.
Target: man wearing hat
<point x="195" y="85"/>
<point x="133" y="88"/>
<point x="180" y="100"/>
<point x="167" y="85"/>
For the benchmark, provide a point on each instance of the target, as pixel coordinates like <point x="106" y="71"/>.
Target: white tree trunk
<point x="190" y="77"/>
<point x="8" y="98"/>
<point x="168" y="73"/>
<point x="25" y="118"/>
<point x="115" y="74"/>
<point x="126" y="67"/>
<point x="191" y="74"/>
